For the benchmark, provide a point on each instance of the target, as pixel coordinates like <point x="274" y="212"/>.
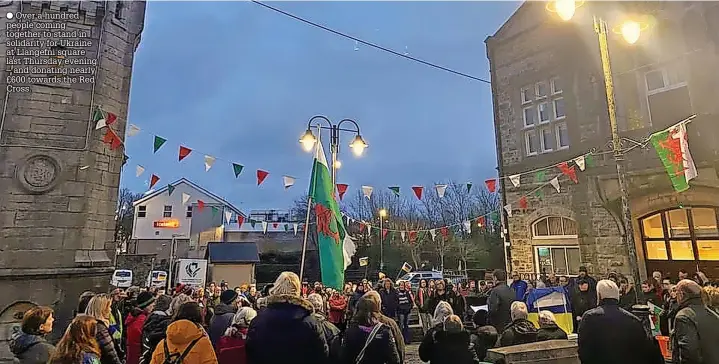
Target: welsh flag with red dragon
<point x="672" y="147"/>
<point x="335" y="245"/>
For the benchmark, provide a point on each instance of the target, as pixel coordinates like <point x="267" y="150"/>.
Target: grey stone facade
<point x="534" y="45"/>
<point x="59" y="181"/>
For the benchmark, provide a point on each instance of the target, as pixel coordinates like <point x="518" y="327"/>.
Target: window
<point x="526" y="96"/>
<point x="554" y="227"/>
<point x="556" y="86"/>
<point x="561" y="260"/>
<point x="664" y="79"/>
<point x="530" y="142"/>
<point x="141" y="211"/>
<point x="547" y="140"/>
<point x="189" y="212"/>
<point x="540" y="90"/>
<point x="530" y="116"/>
<point x="544" y="113"/>
<point x="682" y="234"/>
<point x="559" y="109"/>
<point x="167" y="212"/>
<point x="562" y="136"/>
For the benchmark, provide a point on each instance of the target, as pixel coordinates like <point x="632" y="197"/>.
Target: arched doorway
<point x="681" y="238"/>
<point x="555" y="246"/>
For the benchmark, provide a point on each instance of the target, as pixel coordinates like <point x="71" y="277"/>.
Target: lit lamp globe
<point x="631" y="31"/>
<point x="383" y="213"/>
<point x="358" y="145"/>
<point x="308" y="141"/>
<point x="565" y="8"/>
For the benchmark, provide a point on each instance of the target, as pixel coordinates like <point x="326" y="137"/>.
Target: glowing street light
<point x="308" y="141"/>
<point x="358" y="145"/>
<point x="383" y="213"/>
<point x="566" y="9"/>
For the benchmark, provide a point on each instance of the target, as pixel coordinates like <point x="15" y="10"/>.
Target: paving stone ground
<point x="412" y="354"/>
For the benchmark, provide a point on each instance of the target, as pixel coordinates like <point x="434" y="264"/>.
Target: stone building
<point x="550" y="107"/>
<point x="59" y="181"/>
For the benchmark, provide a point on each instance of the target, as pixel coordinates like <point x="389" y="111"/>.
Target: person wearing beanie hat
<point x="145" y="303"/>
<point x="224" y="311"/>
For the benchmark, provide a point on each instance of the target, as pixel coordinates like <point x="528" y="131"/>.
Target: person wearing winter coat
<point x="450" y="345"/>
<point x="359" y="292"/>
<point x="100" y="308"/>
<point x="499" y="301"/>
<point x="670" y="307"/>
<point x="583" y="300"/>
<point x="153" y="330"/>
<point x="301" y="339"/>
<point x="367" y="339"/>
<point x="223" y="313"/>
<point x="133" y="326"/>
<point x="458" y="302"/>
<point x="231" y="347"/>
<point x="28" y="344"/>
<point x="404" y="307"/>
<point x="521" y="330"/>
<point x="186" y="338"/>
<point x="338" y="308"/>
<point x="78" y="344"/>
<point x="548" y="328"/>
<point x="440" y="294"/>
<point x="441" y="312"/>
<point x="332" y="333"/>
<point x="696" y="331"/>
<point x="390" y="300"/>
<point x="518" y="286"/>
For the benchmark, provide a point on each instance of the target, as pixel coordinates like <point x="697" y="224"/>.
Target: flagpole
<point x="309" y="207"/>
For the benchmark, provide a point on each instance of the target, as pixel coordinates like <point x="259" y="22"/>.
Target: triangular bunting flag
<point x="467" y="225"/>
<point x="441" y="189"/>
<point x="209" y="162"/>
<point x="589" y="160"/>
<point x="295" y="226"/>
<point x="418" y="191"/>
<point x="102" y="118"/>
<point x="508" y="208"/>
<point x="124" y="159"/>
<point x="384" y="233"/>
<point x="215" y="210"/>
<point x="341" y="189"/>
<point x="133" y="130"/>
<point x="568" y="171"/>
<point x="540" y="176"/>
<point x="445" y="231"/>
<point x="116" y="142"/>
<point x="491" y="184"/>
<point x="139" y="170"/>
<point x="170" y="190"/>
<point x="362" y="227"/>
<point x="367" y="191"/>
<point x="412" y="236"/>
<point x="228" y="216"/>
<point x="369" y="229"/>
<point x="184" y="152"/>
<point x="394" y="190"/>
<point x="153" y="180"/>
<point x="264" y="227"/>
<point x="469" y="187"/>
<point x="433" y="233"/>
<point x="200" y="205"/>
<point x="515" y="179"/>
<point x="157" y="143"/>
<point x="539" y="193"/>
<point x="109" y="137"/>
<point x="185" y="198"/>
<point x="240" y="221"/>
<point x="275" y="225"/>
<point x="481" y="221"/>
<point x="288" y="181"/>
<point x="237" y="168"/>
<point x="403" y="234"/>
<point x="523" y="202"/>
<point x="261" y="175"/>
<point x="579" y="161"/>
<point x="252" y="223"/>
<point x="555" y="183"/>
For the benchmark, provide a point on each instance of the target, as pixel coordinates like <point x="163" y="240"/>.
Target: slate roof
<point x="232" y="253"/>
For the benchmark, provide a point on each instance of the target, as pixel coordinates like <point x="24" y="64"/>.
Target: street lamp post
<point x="382" y="215"/>
<point x="630" y="30"/>
<point x="357" y="145"/>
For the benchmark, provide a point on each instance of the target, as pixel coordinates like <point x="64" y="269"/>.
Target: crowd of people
<point x="291" y="321"/>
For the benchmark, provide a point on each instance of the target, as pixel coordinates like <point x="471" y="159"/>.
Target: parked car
<point x="121" y="278"/>
<point x="157" y="279"/>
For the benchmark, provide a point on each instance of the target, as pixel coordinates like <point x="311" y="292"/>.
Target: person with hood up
<point x="153" y="330"/>
<point x="390" y="300"/>
<point x="224" y="311"/>
<point x="499" y="301"/>
<point x="300" y="339"/>
<point x="441" y="312"/>
<point x="186" y="340"/>
<point x="338" y="308"/>
<point x="521" y="330"/>
<point x="548" y="328"/>
<point x="451" y="345"/>
<point x="133" y="326"/>
<point x="28" y="344"/>
<point x="367" y="339"/>
<point x="231" y="348"/>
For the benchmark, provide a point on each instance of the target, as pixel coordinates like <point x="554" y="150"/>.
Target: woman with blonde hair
<point x="78" y="345"/>
<point x="100" y="308"/>
<point x="301" y="338"/>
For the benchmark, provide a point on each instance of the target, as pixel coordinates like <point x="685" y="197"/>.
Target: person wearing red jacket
<point x="338" y="306"/>
<point x="231" y="347"/>
<point x="133" y="326"/>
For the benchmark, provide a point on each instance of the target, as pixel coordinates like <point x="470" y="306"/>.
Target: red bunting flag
<point x="116" y="142"/>
<point x="412" y="236"/>
<point x="445" y="231"/>
<point x="240" y="220"/>
<point x="480" y="221"/>
<point x="110" y="118"/>
<point x="153" y="180"/>
<point x="418" y="191"/>
<point x="274" y="225"/>
<point x="109" y="136"/>
<point x="362" y="227"/>
<point x="491" y="184"/>
<point x="200" y="205"/>
<point x="341" y="189"/>
<point x="261" y="175"/>
<point x="523" y="202"/>
<point x="384" y="233"/>
<point x="568" y="171"/>
<point x="184" y="152"/>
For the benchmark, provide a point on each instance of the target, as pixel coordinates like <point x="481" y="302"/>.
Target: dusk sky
<point x="239" y="82"/>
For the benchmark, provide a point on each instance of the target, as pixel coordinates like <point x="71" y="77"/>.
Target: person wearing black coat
<point x="499" y="302"/>
<point x="548" y="328"/>
<point x="441" y="293"/>
<point x="367" y="331"/>
<point x="583" y="300"/>
<point x="521" y="330"/>
<point x="154" y="328"/>
<point x="696" y="333"/>
<point x="390" y="299"/>
<point x="223" y="313"/>
<point x="450" y="345"/>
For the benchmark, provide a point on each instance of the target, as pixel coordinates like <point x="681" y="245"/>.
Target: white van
<point x="121" y="278"/>
<point x="156" y="279"/>
<point x="415" y="277"/>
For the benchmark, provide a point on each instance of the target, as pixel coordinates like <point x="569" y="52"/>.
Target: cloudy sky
<point x="239" y="82"/>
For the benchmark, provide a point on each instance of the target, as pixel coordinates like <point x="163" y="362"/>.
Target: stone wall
<point x="59" y="181"/>
<point x="140" y="265"/>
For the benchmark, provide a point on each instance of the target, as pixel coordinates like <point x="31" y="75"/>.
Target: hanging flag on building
<point x="672" y="147"/>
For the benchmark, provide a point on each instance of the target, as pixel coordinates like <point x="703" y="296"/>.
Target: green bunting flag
<point x="540" y="176"/>
<point x="494" y="216"/>
<point x="170" y="190"/>
<point x="469" y="187"/>
<point x="539" y="193"/>
<point x="237" y="168"/>
<point x="395" y="190"/>
<point x="589" y="160"/>
<point x="252" y="223"/>
<point x="287" y="227"/>
<point x="159" y="141"/>
<point x="215" y="210"/>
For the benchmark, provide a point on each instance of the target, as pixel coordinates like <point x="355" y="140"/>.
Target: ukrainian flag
<point x="553" y="299"/>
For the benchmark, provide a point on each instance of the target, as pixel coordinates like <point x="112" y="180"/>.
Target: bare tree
<point x="124" y="217"/>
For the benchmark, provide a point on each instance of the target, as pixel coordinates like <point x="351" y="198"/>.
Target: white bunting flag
<point x="367" y="191"/>
<point x="467" y="226"/>
<point x="139" y="170"/>
<point x="515" y="179"/>
<point x="440" y="190"/>
<point x="402" y="234"/>
<point x="295" y="226"/>
<point x="288" y="181"/>
<point x="185" y="198"/>
<point x="264" y="227"/>
<point x="369" y="229"/>
<point x="209" y="161"/>
<point x="433" y="232"/>
<point x="133" y="130"/>
<point x="508" y="208"/>
<point x="580" y="162"/>
<point x="228" y="216"/>
<point x="555" y="183"/>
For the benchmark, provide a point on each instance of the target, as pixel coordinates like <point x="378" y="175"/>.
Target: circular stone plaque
<point x="39" y="174"/>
